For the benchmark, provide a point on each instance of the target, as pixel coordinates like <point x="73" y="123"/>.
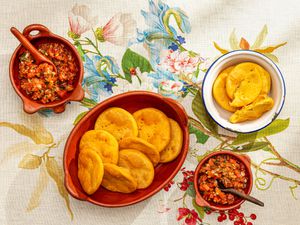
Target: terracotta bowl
<point x="243" y="159"/>
<point x="164" y="173"/>
<point x="44" y="35"/>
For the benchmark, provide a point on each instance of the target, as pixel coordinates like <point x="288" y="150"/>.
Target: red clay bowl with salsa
<point x="37" y="85"/>
<point x="232" y="170"/>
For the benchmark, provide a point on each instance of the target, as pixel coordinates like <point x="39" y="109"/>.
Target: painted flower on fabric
<point x="172" y="89"/>
<point x="80" y="20"/>
<point x="97" y="80"/>
<point x="161" y="75"/>
<point x="161" y="34"/>
<point x="243" y="44"/>
<point x="163" y="208"/>
<point x="143" y="81"/>
<point x="159" y="15"/>
<point x="168" y="83"/>
<point x="119" y="29"/>
<point x="190" y="216"/>
<point x="177" y="42"/>
<point x="180" y="62"/>
<point x="205" y="63"/>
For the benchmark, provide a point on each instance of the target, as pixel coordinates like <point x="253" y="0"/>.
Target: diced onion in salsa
<point x="227" y="170"/>
<point x="41" y="82"/>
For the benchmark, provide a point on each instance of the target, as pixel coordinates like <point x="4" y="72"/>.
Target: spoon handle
<point x="244" y="196"/>
<point x="34" y="52"/>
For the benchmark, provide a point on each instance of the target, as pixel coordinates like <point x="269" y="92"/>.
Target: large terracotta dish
<point x="44" y="35"/>
<point x="164" y="173"/>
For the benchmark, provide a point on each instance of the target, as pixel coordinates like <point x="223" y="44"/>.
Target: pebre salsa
<point x="224" y="169"/>
<point x="40" y="82"/>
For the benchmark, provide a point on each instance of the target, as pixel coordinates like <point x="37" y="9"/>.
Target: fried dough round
<point x="139" y="166"/>
<point x="266" y="81"/>
<point x="174" y="147"/>
<point x="118" y="179"/>
<point x="237" y="75"/>
<point x="248" y="90"/>
<point x="262" y="104"/>
<point x="103" y="143"/>
<point x="244" y="84"/>
<point x="90" y="170"/>
<point x="219" y="90"/>
<point x="118" y="122"/>
<point x="141" y="145"/>
<point x="154" y="127"/>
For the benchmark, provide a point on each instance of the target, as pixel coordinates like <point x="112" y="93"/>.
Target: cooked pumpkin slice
<point x="219" y="90"/>
<point x="250" y="112"/>
<point x="248" y="90"/>
<point x="266" y="80"/>
<point x="237" y="75"/>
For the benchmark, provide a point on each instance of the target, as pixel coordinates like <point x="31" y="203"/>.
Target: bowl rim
<point x="278" y="72"/>
<point x="95" y="109"/>
<point x="76" y="95"/>
<point x="245" y="159"/>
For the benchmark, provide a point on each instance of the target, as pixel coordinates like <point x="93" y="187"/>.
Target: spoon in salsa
<point x="240" y="194"/>
<point x="38" y="57"/>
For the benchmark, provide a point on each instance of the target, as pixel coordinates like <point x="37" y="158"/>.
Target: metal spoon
<point x="38" y="57"/>
<point x="240" y="194"/>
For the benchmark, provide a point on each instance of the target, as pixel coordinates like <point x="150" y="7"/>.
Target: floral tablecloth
<point x="164" y="47"/>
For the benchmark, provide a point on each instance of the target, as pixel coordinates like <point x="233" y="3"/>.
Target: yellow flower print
<point x="243" y="44"/>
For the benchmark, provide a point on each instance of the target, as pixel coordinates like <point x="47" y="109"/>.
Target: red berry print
<point x="253" y="216"/>
<point x="220" y="219"/>
<point x="223" y="216"/>
<point x="231" y="217"/>
<point x="132" y="71"/>
<point x="234" y="215"/>
<point x="169" y="185"/>
<point x="188" y="177"/>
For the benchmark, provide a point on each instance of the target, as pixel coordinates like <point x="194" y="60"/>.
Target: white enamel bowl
<point x="221" y="116"/>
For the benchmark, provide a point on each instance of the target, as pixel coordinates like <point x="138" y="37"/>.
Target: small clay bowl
<point x="44" y="35"/>
<point x="243" y="159"/>
<point x="164" y="173"/>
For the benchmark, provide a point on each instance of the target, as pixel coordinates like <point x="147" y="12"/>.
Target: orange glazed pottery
<point x="164" y="173"/>
<point x="44" y="35"/>
<point x="244" y="159"/>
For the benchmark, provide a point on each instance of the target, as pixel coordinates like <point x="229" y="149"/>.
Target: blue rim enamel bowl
<point x="221" y="116"/>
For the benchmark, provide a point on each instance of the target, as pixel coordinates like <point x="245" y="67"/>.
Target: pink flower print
<point x="180" y="62"/>
<point x="119" y="29"/>
<point x="80" y="20"/>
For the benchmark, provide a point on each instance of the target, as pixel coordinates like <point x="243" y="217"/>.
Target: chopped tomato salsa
<point x="226" y="170"/>
<point x="41" y="82"/>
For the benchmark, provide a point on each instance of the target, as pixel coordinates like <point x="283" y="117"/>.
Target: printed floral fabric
<point x="165" y="47"/>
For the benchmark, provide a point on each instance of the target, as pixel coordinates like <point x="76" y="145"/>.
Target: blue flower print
<point x="161" y="34"/>
<point x="97" y="80"/>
